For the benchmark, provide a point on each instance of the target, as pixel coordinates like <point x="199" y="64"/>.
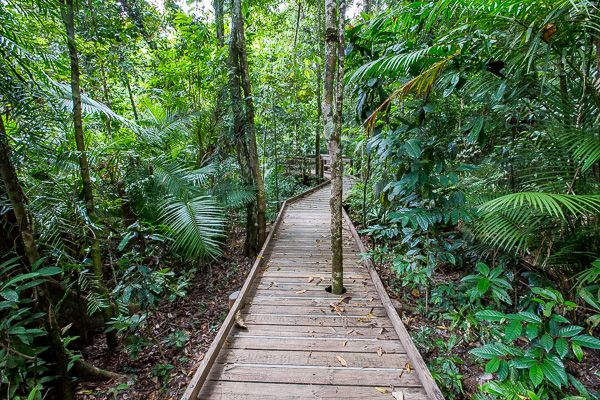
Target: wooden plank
<point x="310" y="301"/>
<point x="337" y="375"/>
<point x="316" y="358"/>
<point x="288" y="343"/>
<point x="311" y="294"/>
<point x="223" y="390"/>
<point x="309" y="320"/>
<point x="433" y="391"/>
<point x="255" y="308"/>
<point x="316" y="331"/>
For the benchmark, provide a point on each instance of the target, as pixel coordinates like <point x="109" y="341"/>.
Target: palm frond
<point x="546" y="203"/>
<point x="197" y="224"/>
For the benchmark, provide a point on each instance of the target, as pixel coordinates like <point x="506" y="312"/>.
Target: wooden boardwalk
<point x="303" y="342"/>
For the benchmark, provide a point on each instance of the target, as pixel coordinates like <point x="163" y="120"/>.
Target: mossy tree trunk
<point x="84" y="168"/>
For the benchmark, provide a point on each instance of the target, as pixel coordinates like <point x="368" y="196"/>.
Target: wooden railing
<point x="304" y="164"/>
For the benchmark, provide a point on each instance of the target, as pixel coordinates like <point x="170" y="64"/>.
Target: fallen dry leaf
<point x="398" y="395"/>
<point x="382" y="330"/>
<point x="400" y="374"/>
<point x="379" y="351"/>
<point x="346" y="299"/>
<point x="349" y="331"/>
<point x="311" y="331"/>
<point x="382" y="390"/>
<point x="310" y="279"/>
<point x="310" y="354"/>
<point x="345" y="343"/>
<point x="342" y="361"/>
<point x="408" y="367"/>
<point x="301" y="291"/>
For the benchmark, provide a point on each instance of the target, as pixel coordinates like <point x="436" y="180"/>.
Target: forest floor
<point x="162" y="371"/>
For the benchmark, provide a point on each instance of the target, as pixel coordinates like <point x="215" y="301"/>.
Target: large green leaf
<point x="586" y="341"/>
<point x="536" y="375"/>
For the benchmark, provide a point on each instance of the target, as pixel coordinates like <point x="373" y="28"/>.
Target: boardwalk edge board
<point x="212" y="354"/>
<point x="418" y="364"/>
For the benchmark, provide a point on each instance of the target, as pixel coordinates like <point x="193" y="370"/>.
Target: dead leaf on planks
<point x="379" y="351"/>
<point x="342" y="361"/>
<point x="345" y="343"/>
<point x="301" y="291"/>
<point x="310" y="279"/>
<point x="382" y="390"/>
<point x="346" y="299"/>
<point x="398" y="395"/>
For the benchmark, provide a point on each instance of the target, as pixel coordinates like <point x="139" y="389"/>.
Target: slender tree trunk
<point x="249" y="127"/>
<point x="331" y="115"/>
<point x="26" y="228"/>
<point x="366" y="175"/>
<point x="276" y="154"/>
<point x="67" y="14"/>
<point x="319" y="127"/>
<point x="219" y="25"/>
<point x="297" y="25"/>
<point x="135" y="114"/>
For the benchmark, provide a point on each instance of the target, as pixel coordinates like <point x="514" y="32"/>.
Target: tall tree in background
<point x="95" y="254"/>
<point x="245" y="132"/>
<point x="334" y="56"/>
<point x="319" y="128"/>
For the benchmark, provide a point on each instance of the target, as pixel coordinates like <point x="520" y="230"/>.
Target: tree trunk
<point x="135" y="114"/>
<point x="249" y="128"/>
<point x="297" y="26"/>
<point x="319" y="128"/>
<point x="219" y="25"/>
<point x="17" y="198"/>
<point x="239" y="132"/>
<point x="276" y="154"/>
<point x="331" y="117"/>
<point x="26" y="228"/>
<point x="68" y="18"/>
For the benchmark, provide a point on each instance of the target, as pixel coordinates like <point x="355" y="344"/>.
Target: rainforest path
<point x="302" y="342"/>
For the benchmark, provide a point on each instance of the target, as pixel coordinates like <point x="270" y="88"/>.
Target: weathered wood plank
<point x="314" y="358"/>
<point x="223" y="390"/>
<point x="316" y="331"/>
<point x="337" y="375"/>
<point x="316" y="320"/>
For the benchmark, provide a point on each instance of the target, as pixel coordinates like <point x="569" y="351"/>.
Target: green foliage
<point x="540" y="363"/>
<point x="478" y="285"/>
<point x="21" y="355"/>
